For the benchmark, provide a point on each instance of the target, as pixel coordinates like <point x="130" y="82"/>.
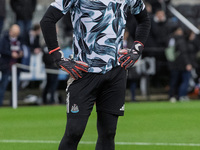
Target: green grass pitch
<point x="145" y="126"/>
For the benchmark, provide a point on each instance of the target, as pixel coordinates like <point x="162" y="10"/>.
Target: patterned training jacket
<point x="98" y="29"/>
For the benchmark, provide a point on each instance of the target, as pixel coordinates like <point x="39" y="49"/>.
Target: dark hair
<point x="36" y="27"/>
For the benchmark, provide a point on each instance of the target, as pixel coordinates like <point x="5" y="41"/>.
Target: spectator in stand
<point x="149" y="8"/>
<point x="193" y="48"/>
<point x="158" y="4"/>
<point x="11" y="52"/>
<point x="150" y="43"/>
<point x="155" y="5"/>
<point x="180" y="67"/>
<point x="160" y="37"/>
<point x="34" y="37"/>
<point x="133" y="76"/>
<point x="32" y="47"/>
<point x="51" y="78"/>
<point x="2" y="14"/>
<point x="159" y="28"/>
<point x="24" y="10"/>
<point x="194" y="42"/>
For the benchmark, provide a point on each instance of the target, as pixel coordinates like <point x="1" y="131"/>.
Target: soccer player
<point x="98" y="69"/>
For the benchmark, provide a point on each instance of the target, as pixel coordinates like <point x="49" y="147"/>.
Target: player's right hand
<point x="74" y="68"/>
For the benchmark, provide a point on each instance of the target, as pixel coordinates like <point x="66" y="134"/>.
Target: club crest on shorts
<point x="74" y="108"/>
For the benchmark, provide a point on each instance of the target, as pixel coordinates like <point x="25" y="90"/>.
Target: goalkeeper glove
<point x="130" y="56"/>
<point x="74" y="68"/>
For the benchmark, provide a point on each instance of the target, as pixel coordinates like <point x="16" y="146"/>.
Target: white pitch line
<point x="27" y="141"/>
<point x="117" y="143"/>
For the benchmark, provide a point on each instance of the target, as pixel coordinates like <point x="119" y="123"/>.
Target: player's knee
<point x="108" y="134"/>
<point x="70" y="139"/>
<point x="75" y="133"/>
<point x="111" y="134"/>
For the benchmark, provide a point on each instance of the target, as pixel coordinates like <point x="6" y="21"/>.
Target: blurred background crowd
<point x="167" y="70"/>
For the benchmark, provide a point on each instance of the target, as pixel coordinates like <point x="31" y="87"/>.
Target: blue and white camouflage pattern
<point x="98" y="29"/>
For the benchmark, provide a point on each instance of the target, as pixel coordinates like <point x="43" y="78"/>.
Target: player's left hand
<point x="130" y="56"/>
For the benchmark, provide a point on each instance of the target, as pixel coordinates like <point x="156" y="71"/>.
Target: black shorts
<point x="106" y="90"/>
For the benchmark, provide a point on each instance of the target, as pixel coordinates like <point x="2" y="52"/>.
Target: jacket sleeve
<point x="48" y="23"/>
<point x="48" y="26"/>
<point x="138" y="9"/>
<point x="5" y="47"/>
<point x="143" y="27"/>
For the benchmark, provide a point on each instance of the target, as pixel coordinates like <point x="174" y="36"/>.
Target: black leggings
<point x="106" y="126"/>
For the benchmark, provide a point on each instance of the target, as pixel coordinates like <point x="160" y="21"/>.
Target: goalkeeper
<point x="98" y="69"/>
